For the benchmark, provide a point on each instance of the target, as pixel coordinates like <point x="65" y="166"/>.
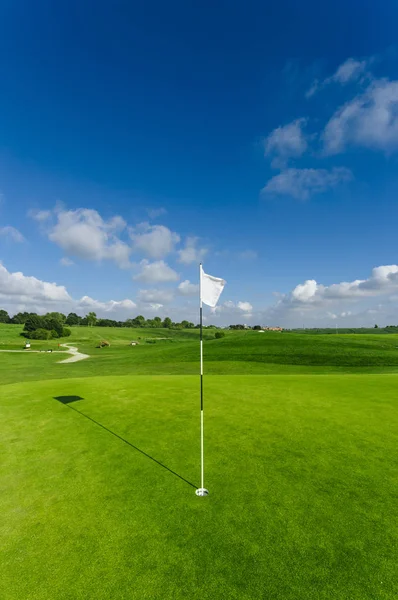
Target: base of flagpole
<point x="202" y="492"/>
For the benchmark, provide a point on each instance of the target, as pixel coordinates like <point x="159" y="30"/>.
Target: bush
<point x="219" y="334"/>
<point x="33" y="323"/>
<point x="40" y="334"/>
<point x="66" y="332"/>
<point x="150" y="341"/>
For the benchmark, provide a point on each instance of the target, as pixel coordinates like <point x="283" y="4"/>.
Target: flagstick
<point x="202" y="490"/>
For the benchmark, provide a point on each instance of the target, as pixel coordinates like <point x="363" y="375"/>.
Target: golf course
<point x="100" y="461"/>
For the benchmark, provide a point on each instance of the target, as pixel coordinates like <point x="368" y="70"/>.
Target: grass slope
<point x="300" y="472"/>
<point x="238" y="353"/>
<point x="97" y="495"/>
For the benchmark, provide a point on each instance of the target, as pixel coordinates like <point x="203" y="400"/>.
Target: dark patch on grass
<point x="67" y="399"/>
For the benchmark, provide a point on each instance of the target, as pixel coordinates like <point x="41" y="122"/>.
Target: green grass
<point x="238" y="353"/>
<point x="97" y="496"/>
<point x="300" y="472"/>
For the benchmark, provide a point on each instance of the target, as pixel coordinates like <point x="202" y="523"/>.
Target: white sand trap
<point x="76" y="355"/>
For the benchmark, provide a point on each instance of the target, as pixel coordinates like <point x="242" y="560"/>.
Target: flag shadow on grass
<point x="67" y="400"/>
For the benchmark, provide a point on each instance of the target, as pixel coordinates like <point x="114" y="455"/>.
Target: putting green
<point x="300" y="471"/>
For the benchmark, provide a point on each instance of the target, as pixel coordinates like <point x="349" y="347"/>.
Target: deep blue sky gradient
<point x="124" y="106"/>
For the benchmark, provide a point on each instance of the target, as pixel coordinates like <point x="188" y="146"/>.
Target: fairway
<point x="99" y="476"/>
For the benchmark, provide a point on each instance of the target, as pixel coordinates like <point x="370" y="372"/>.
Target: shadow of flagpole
<point x="119" y="437"/>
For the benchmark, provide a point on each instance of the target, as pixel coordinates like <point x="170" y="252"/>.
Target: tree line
<point x="33" y="322"/>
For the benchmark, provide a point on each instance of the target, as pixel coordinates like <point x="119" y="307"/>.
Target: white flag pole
<point x="202" y="491"/>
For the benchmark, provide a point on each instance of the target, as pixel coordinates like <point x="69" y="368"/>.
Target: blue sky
<point x="136" y="140"/>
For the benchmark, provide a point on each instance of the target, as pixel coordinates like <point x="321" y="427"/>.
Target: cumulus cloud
<point x="83" y="233"/>
<point x="383" y="280"/>
<point x="156" y="272"/>
<point x="245" y="306"/>
<point x="191" y="253"/>
<point x="17" y="288"/>
<point x="155" y="296"/>
<point x="349" y="71"/>
<point x="233" y="310"/>
<point x="111" y="306"/>
<point x="288" y="141"/>
<point x="186" y="288"/>
<point x="369" y="120"/>
<point x="303" y="183"/>
<point x="19" y="292"/>
<point x="155" y="241"/>
<point x="10" y="233"/>
<point x="316" y="305"/>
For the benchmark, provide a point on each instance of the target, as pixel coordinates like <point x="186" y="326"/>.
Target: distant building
<point x="273" y="328"/>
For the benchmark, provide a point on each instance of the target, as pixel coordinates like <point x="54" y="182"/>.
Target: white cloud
<point x="40" y="215"/>
<point x="17" y="288"/>
<point x="369" y="120"/>
<point x="231" y="310"/>
<point x="153" y="307"/>
<point x="245" y="306"/>
<point x="190" y="253"/>
<point x="155" y="296"/>
<point x="111" y="306"/>
<point x="156" y="272"/>
<point x="153" y="213"/>
<point x="12" y="234"/>
<point x="155" y="241"/>
<point x="349" y="71"/>
<point x="288" y="141"/>
<point x="303" y="183"/>
<point x="66" y="262"/>
<point x="83" y="233"/>
<point x="305" y="291"/>
<point x="186" y="288"/>
<point x="383" y="280"/>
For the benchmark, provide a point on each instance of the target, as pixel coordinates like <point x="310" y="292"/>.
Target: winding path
<point x="76" y="355"/>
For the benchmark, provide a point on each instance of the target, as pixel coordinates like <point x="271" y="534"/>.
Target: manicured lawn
<point x="238" y="353"/>
<point x="301" y="472"/>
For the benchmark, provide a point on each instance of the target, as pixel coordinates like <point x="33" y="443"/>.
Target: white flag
<point x="211" y="288"/>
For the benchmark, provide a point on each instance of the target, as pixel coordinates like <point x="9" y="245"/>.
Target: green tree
<point x="53" y="324"/>
<point x="376" y="327"/>
<point x="34" y="322"/>
<point x="139" y="321"/>
<point x="21" y="318"/>
<point x="57" y="315"/>
<point x="73" y="319"/>
<point x="4" y="317"/>
<point x="91" y="319"/>
<point x="167" y="323"/>
<point x="40" y="334"/>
